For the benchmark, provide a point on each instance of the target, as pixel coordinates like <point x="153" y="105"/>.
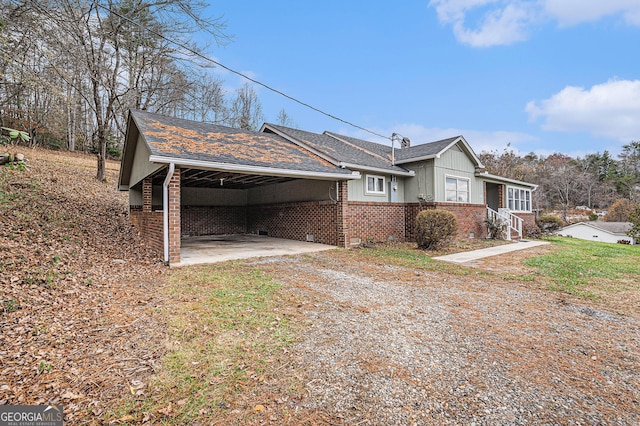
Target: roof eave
<point x="255" y="170"/>
<point x="407" y="173"/>
<point x="489" y="176"/>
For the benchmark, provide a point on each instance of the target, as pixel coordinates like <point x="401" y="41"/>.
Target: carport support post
<point x="342" y="222"/>
<point x="171" y="199"/>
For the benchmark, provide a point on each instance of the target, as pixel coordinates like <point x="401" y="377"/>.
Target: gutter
<point x="377" y="170"/>
<point x="165" y="209"/>
<point x="256" y="170"/>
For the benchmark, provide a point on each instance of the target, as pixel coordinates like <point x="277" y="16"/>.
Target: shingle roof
<point x="612" y="227"/>
<point x="425" y="149"/>
<point x="344" y="149"/>
<point x="191" y="140"/>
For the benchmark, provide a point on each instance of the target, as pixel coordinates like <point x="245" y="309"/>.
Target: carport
<point x="190" y="180"/>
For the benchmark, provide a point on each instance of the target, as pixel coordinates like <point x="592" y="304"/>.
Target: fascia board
<point x="377" y="170"/>
<point x="256" y="170"/>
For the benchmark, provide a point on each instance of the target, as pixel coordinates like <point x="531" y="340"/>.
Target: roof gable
<point x="206" y="145"/>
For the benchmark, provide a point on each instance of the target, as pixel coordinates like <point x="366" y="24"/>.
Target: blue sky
<point x="543" y="75"/>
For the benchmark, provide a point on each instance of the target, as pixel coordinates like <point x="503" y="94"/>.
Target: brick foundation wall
<point x="215" y="220"/>
<point x="149" y="225"/>
<point x="378" y="222"/>
<point x="528" y="220"/>
<point x="470" y="218"/>
<point x="295" y="221"/>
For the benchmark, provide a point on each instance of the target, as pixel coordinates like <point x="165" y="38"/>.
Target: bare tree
<point x="120" y="57"/>
<point x="246" y="110"/>
<point x="285" y="119"/>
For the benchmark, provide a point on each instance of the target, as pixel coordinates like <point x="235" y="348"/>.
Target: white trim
<point x="457" y="178"/>
<point x="255" y="170"/>
<point x="376" y="177"/>
<point x="165" y="207"/>
<point x="376" y="169"/>
<point x="518" y="210"/>
<point x="500" y="179"/>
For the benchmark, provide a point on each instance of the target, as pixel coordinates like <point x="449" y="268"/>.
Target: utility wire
<point x="221" y="65"/>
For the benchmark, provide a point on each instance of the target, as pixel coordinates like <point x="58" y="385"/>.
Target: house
<point x="187" y="178"/>
<point x="604" y="232"/>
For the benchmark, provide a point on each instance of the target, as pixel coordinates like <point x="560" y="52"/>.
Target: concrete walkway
<point x="470" y="256"/>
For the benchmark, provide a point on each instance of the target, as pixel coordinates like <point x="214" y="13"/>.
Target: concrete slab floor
<point x="220" y="248"/>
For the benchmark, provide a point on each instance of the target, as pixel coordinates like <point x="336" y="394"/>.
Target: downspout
<point x="165" y="209"/>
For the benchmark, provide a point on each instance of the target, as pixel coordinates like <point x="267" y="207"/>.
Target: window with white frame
<point x="457" y="189"/>
<point x="376" y="185"/>
<point x="519" y="199"/>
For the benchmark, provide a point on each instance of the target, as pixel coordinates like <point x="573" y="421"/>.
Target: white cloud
<point x="572" y="12"/>
<point x="504" y="22"/>
<point x="610" y="109"/>
<point x="499" y="23"/>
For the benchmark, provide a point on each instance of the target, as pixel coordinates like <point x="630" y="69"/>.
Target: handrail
<point x="513" y="222"/>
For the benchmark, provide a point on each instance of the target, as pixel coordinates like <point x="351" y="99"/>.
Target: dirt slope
<point x="76" y="288"/>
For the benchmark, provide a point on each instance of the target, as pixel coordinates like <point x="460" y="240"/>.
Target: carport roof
<point x="201" y="145"/>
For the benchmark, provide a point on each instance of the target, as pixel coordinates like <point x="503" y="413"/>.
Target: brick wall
<point x="295" y="221"/>
<point x="215" y="220"/>
<point x="470" y="218"/>
<point x="376" y="221"/>
<point x="149" y="225"/>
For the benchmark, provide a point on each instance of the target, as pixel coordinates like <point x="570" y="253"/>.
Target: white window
<point x="518" y="199"/>
<point x="375" y="184"/>
<point x="457" y="189"/>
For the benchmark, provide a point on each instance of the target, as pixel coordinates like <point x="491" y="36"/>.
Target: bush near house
<point x="549" y="224"/>
<point x="434" y="228"/>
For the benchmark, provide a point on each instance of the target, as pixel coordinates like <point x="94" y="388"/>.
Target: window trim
<point x="376" y="177"/>
<point x="517" y="198"/>
<point x="458" y="178"/>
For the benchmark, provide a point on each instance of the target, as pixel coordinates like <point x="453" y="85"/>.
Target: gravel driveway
<point x="392" y="345"/>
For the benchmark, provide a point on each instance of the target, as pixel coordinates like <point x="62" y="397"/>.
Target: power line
<point x="221" y="65"/>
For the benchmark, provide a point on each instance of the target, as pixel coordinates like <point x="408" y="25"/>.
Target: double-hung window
<point x="519" y="199"/>
<point x="376" y="185"/>
<point x="457" y="189"/>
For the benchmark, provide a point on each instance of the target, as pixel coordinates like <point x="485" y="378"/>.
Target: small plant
<point x="45" y="366"/>
<point x="496" y="228"/>
<point x="549" y="224"/>
<point x="532" y="231"/>
<point x="434" y="228"/>
<point x="593" y="216"/>
<point x="11" y="305"/>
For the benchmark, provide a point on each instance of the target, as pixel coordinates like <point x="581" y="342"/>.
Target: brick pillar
<point x="174" y="218"/>
<point x="147" y="191"/>
<point x="342" y="222"/>
<point x="501" y="203"/>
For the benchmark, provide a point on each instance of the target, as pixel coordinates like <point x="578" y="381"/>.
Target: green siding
<point x="357" y="189"/>
<point x="141" y="165"/>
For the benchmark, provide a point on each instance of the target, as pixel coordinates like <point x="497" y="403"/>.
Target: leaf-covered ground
<point x="77" y="288"/>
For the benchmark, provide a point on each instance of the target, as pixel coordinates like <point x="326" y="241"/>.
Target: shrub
<point x="549" y="224"/>
<point x="619" y="211"/>
<point x="496" y="228"/>
<point x="532" y="231"/>
<point x="593" y="216"/>
<point x="434" y="228"/>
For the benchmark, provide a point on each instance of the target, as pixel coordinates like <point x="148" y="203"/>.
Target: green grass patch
<point x="227" y="334"/>
<point x="410" y="257"/>
<point x="581" y="263"/>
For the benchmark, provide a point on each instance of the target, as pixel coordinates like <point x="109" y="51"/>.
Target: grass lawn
<point x="589" y="269"/>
